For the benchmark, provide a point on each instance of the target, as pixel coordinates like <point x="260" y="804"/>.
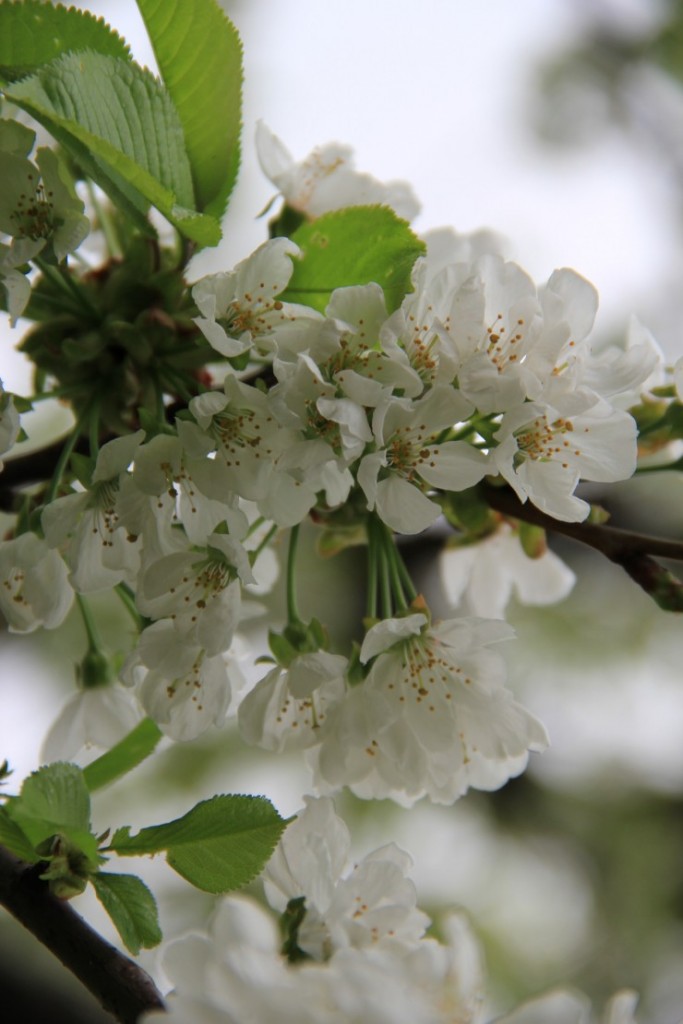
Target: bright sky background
<point x="438" y="93"/>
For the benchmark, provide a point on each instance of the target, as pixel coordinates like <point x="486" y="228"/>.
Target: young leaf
<point x="132" y="908"/>
<point x="124" y="756"/>
<point x="199" y="54"/>
<point x="15" y="839"/>
<point x="33" y="33"/>
<point x="219" y="845"/>
<point x="53" y="799"/>
<point x="121" y="126"/>
<point x="353" y="246"/>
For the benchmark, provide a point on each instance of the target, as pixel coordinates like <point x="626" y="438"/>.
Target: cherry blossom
<point x="327" y="180"/>
<point x="543" y="451"/>
<point x="34" y="584"/>
<point x="433" y="716"/>
<point x="409" y="458"/>
<point x="289" y="706"/>
<point x="98" y="549"/>
<point x="371" y="906"/>
<point x="487" y="572"/>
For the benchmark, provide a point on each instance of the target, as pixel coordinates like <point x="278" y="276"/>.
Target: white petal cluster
<point x="371" y="906"/>
<point x="289" y="707"/>
<point x="369" y="414"/>
<point x="433" y="717"/>
<point x="87" y="524"/>
<point x="234" y="972"/>
<point x="367" y="958"/>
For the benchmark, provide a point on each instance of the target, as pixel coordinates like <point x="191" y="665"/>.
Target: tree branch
<point x="632" y="551"/>
<point x="119" y="984"/>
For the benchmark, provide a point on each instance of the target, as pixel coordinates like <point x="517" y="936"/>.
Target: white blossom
<point x="241" y="308"/>
<point x="235" y="974"/>
<point x="371" y="906"/>
<point x="288" y="707"/>
<point x="565" y="1006"/>
<point x="487" y="572"/>
<point x="199" y="591"/>
<point x="95" y="717"/>
<point x="182" y="687"/>
<point x="34" y="584"/>
<point x="327" y="180"/>
<point x="409" y="459"/>
<point x="543" y="451"/>
<point x="98" y="549"/>
<point x="433" y="716"/>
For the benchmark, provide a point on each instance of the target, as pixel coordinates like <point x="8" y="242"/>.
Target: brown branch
<point x="119" y="984"/>
<point x="631" y="550"/>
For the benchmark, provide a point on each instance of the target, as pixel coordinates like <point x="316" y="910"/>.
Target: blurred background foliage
<point x="572" y="873"/>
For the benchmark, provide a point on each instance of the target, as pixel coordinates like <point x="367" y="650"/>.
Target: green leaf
<point x="199" y="54"/>
<point x="15" y="839"/>
<point x="121" y="126"/>
<point x="219" y="845"/>
<point x="53" y="799"/>
<point x="34" y="33"/>
<point x="123" y="757"/>
<point x="353" y="246"/>
<point x="132" y="908"/>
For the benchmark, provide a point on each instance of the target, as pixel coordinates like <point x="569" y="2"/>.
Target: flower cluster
<point x="384" y="417"/>
<point x="355" y="949"/>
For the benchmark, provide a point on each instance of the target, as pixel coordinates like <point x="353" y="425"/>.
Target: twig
<point x="119" y="984"/>
<point x="631" y="550"/>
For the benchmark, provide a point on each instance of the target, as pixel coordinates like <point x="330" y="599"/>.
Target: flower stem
<point x="127" y="598"/>
<point x="64" y="456"/>
<point x="264" y="543"/>
<point x="94" y="642"/>
<point x="372" y="568"/>
<point x="292" y="609"/>
<point x="105" y="222"/>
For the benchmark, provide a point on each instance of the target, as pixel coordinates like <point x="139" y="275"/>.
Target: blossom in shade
<point x="34" y="584"/>
<point x="9" y="421"/>
<point x="183" y="688"/>
<point x="93" y="718"/>
<point x="487" y="572"/>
